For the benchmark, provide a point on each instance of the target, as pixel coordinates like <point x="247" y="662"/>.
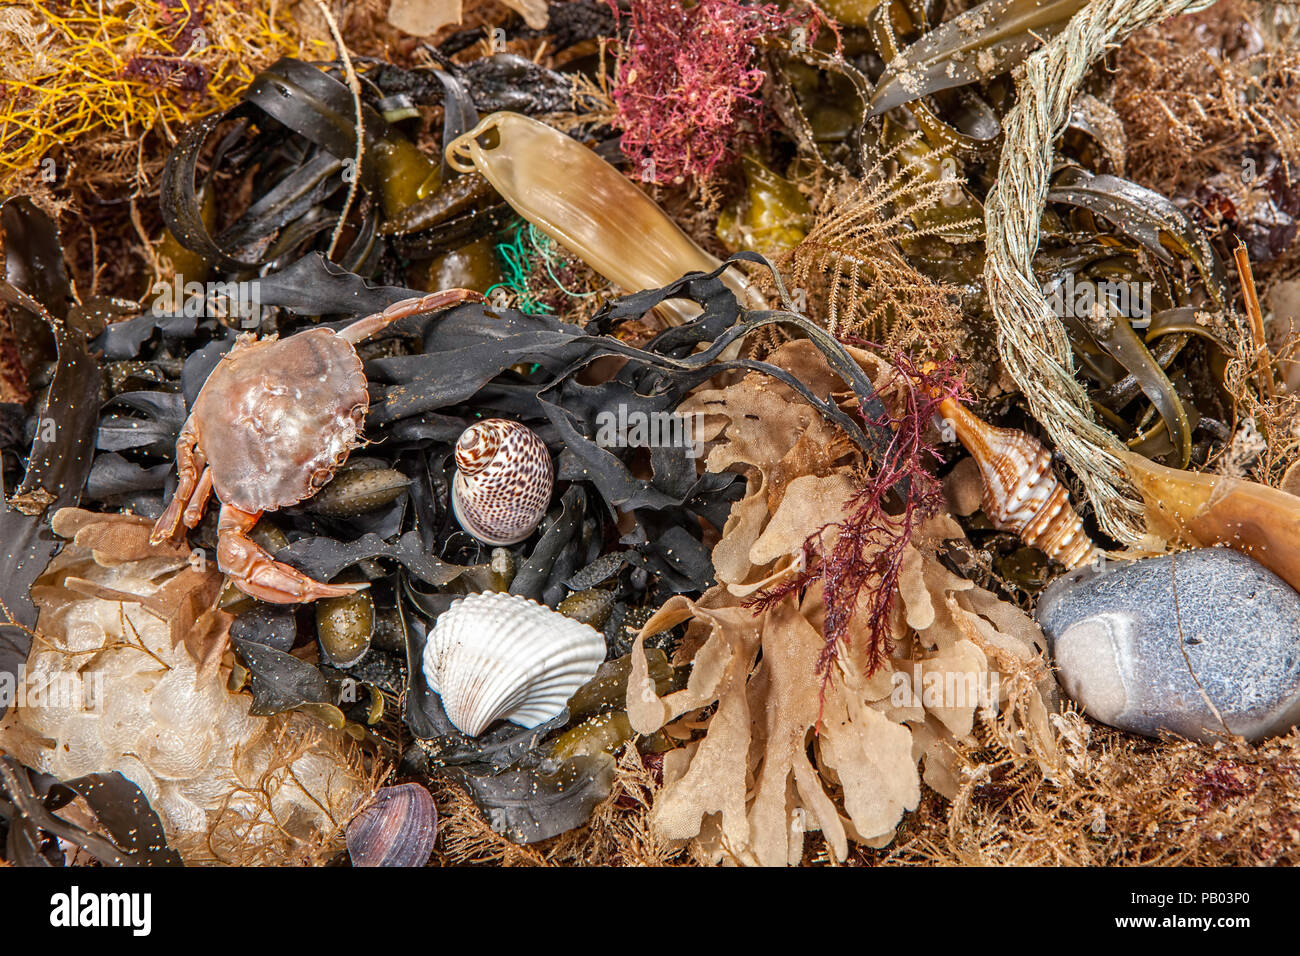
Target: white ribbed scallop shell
<point x="503" y="657"/>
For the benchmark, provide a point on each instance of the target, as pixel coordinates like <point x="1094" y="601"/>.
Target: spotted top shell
<point x="281" y="436"/>
<point x="503" y="481"/>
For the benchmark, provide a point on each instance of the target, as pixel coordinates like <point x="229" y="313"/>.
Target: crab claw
<point x="192" y="490"/>
<point x="258" y="574"/>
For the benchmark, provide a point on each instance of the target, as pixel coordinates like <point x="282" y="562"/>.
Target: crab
<point x="271" y="425"/>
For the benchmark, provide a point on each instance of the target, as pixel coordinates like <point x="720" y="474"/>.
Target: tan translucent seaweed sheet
<point x="229" y="787"/>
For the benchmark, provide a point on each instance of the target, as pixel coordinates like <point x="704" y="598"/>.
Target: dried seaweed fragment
<point x="131" y="834"/>
<point x="793" y="744"/>
<point x="58" y="461"/>
<point x="860" y="572"/>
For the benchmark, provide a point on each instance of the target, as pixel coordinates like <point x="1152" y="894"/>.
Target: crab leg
<point x="362" y="329"/>
<point x="190" y="463"/>
<point x="256" y="573"/>
<point x="194" y="510"/>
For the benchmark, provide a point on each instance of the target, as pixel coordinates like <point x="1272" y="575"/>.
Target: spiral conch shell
<point x="497" y="656"/>
<point x="1021" y="492"/>
<point x="503" y="481"/>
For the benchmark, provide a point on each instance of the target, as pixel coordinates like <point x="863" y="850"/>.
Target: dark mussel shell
<point x="397" y="829"/>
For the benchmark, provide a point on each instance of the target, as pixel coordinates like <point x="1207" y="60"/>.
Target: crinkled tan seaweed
<point x="783" y="751"/>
